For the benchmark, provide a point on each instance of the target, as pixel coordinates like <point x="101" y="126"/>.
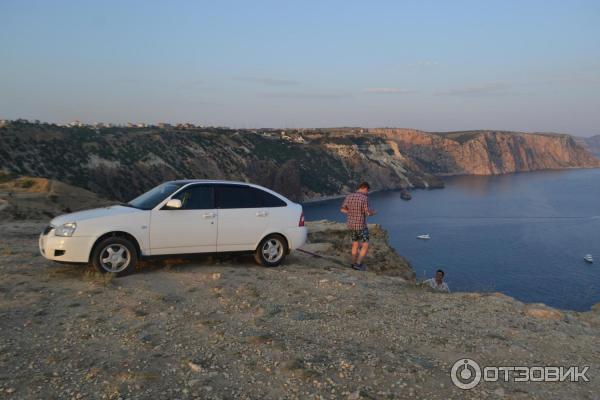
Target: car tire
<point x="115" y="255"/>
<point x="271" y="251"/>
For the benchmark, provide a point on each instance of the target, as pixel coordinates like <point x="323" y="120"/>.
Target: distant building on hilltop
<point x="187" y="125"/>
<point x="269" y="134"/>
<point x="295" y="138"/>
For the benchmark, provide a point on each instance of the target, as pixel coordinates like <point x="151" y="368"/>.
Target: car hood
<point x="94" y="213"/>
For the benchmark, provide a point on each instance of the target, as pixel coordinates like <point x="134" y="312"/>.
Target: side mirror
<point x="173" y="204"/>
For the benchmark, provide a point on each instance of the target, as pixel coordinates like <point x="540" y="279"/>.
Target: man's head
<point x="364" y="187"/>
<point x="439" y="276"/>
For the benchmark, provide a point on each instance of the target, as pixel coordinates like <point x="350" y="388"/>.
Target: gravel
<point x="224" y="328"/>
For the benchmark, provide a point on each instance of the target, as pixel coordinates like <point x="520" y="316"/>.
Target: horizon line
<point x="142" y="125"/>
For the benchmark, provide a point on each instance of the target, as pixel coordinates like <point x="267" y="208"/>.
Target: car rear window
<point x="268" y="200"/>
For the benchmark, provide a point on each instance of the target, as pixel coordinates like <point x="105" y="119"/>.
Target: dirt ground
<point x="224" y="328"/>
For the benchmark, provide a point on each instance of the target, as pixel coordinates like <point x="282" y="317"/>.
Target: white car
<point x="179" y="217"/>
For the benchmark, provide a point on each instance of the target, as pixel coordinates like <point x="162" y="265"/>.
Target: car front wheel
<point x="115" y="255"/>
<point x="271" y="251"/>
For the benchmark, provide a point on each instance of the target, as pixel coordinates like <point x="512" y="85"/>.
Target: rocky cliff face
<point x="591" y="143"/>
<point x="489" y="152"/>
<point x="42" y="199"/>
<point x="120" y="163"/>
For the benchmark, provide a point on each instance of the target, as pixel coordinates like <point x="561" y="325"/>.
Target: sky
<point x="431" y="65"/>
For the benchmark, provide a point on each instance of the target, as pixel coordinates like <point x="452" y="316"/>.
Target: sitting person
<point x="438" y="283"/>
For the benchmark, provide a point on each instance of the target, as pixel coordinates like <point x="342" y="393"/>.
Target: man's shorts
<point x="361" y="235"/>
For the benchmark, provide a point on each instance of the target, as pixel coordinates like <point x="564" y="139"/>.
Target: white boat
<point x="589" y="258"/>
<point x="424" y="237"/>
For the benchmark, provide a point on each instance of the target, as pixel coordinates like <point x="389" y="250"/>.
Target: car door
<point x="242" y="219"/>
<point x="189" y="229"/>
<point x="278" y="216"/>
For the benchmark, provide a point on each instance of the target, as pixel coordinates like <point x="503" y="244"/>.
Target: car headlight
<point x="66" y="229"/>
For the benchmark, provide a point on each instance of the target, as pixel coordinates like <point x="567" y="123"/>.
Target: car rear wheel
<point x="271" y="251"/>
<point x="115" y="255"/>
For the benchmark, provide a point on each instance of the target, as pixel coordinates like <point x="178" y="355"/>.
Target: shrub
<point x="26" y="183"/>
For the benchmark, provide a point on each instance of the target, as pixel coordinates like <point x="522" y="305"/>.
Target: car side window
<point x="198" y="197"/>
<point x="237" y="196"/>
<point x="268" y="200"/>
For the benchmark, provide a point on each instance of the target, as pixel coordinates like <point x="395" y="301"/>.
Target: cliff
<point x="38" y="198"/>
<point x="220" y="327"/>
<point x="120" y="163"/>
<point x="591" y="143"/>
<point x="489" y="152"/>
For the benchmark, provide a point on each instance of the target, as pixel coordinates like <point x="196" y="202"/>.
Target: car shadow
<point x="179" y="263"/>
<point x="188" y="262"/>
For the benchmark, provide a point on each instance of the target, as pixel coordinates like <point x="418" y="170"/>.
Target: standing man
<point x="356" y="207"/>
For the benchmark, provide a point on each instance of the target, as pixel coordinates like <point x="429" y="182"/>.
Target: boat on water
<point x="405" y="195"/>
<point x="589" y="258"/>
<point x="424" y="237"/>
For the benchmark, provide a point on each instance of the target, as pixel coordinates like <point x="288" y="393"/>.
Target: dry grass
<point x="27" y="184"/>
<point x="81" y="272"/>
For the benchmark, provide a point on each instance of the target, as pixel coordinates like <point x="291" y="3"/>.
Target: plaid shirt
<point x="357" y="205"/>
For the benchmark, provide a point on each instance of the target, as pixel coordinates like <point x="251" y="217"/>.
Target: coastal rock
<point x="405" y="195"/>
<point x="39" y="198"/>
<point x="312" y="328"/>
<point x="591" y="143"/>
<point x="489" y="152"/>
<point x="120" y="163"/>
<point x="332" y="240"/>
<point x="542" y="312"/>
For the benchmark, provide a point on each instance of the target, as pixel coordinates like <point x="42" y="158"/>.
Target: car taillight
<point x="301" y="222"/>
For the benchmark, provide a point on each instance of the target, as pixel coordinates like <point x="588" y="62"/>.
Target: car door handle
<point x="209" y="215"/>
<point x="261" y="213"/>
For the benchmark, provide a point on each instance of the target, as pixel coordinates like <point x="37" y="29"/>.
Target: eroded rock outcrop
<point x="332" y="241"/>
<point x="591" y="143"/>
<point x="489" y="152"/>
<point x="121" y="163"/>
<point x="26" y="198"/>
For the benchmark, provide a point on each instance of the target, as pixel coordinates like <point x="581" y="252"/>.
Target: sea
<point x="524" y="235"/>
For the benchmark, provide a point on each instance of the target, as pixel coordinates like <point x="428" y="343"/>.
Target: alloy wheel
<point x="272" y="250"/>
<point x="115" y="258"/>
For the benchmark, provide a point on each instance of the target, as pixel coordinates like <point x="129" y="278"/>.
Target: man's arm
<point x="426" y="282"/>
<point x="368" y="210"/>
<point x="344" y="208"/>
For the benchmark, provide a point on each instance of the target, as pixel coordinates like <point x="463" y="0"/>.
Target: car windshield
<point x="153" y="197"/>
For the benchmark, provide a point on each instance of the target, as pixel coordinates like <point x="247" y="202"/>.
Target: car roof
<point x="185" y="182"/>
<point x="188" y="181"/>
